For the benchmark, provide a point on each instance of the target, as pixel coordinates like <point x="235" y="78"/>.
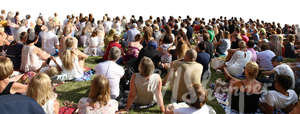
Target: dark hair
<point x="265" y="46"/>
<point x="201" y="46"/>
<point x="277" y="59"/>
<point x="30" y="34"/>
<point x="167" y="39"/>
<point x="250" y="43"/>
<point x="138" y="37"/>
<point x="284" y="81"/>
<point x="206" y="37"/>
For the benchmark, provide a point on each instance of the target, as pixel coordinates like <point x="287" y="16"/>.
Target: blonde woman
<point x="67" y="33"/>
<point x="239" y="59"/>
<point x="70" y="58"/>
<point x="7" y="86"/>
<point x="40" y="89"/>
<point x="145" y="87"/>
<point x="109" y="37"/>
<point x="98" y="101"/>
<point x="250" y="88"/>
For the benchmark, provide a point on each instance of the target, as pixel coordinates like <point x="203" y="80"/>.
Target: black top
<point x="6" y="91"/>
<point x="153" y="54"/>
<point x="250" y="102"/>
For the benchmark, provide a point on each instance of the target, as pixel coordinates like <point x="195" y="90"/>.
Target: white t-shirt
<point x="49" y="41"/>
<point x="107" y="26"/>
<point x="113" y="72"/>
<point x="185" y="109"/>
<point x="278" y="100"/>
<point x="286" y="70"/>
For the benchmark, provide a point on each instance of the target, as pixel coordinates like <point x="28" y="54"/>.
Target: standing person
<point x="112" y="71"/>
<point x="98" y="100"/>
<point x="50" y="42"/>
<point x="132" y="33"/>
<point x="40" y="89"/>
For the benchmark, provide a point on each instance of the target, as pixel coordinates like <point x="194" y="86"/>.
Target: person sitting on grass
<point x="193" y="105"/>
<point x="6" y="85"/>
<point x="40" y="89"/>
<point x="281" y="69"/>
<point x="145" y="87"/>
<point x="99" y="100"/>
<point x="70" y="62"/>
<point x="281" y="98"/>
<point x="250" y="88"/>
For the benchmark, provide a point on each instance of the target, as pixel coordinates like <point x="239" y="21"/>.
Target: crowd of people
<point x="39" y="54"/>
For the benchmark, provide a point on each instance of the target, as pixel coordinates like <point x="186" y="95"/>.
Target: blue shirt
<point x="203" y="58"/>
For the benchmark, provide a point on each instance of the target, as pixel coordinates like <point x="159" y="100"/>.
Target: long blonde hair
<point x="100" y="91"/>
<point x="40" y="88"/>
<point x="67" y="55"/>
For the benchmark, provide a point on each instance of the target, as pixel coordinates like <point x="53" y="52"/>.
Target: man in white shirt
<point x="132" y="33"/>
<point x="112" y="71"/>
<point x="281" y="69"/>
<point x="49" y="39"/>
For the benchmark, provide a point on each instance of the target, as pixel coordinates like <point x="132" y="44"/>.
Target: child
<point x="280" y="98"/>
<point x="98" y="101"/>
<point x="41" y="91"/>
<point x="93" y="48"/>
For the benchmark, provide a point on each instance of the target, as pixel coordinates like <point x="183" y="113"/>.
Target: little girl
<point x="98" y="101"/>
<point x="93" y="48"/>
<point x="41" y="91"/>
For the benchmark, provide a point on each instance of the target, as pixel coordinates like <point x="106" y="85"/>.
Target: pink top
<point x="85" y="108"/>
<point x="245" y="38"/>
<point x="254" y="56"/>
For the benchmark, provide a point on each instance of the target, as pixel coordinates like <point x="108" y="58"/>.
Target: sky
<point x="283" y="11"/>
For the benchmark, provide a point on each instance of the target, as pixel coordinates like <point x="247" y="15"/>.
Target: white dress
<point x="49" y="106"/>
<point x="75" y="73"/>
<point x="94" y="48"/>
<point x="237" y="63"/>
<point x="30" y="60"/>
<point x="84" y="107"/>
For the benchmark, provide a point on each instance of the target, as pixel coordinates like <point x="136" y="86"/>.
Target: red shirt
<point x="110" y="45"/>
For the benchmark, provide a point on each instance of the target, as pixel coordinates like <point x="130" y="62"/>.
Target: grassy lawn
<point x="73" y="91"/>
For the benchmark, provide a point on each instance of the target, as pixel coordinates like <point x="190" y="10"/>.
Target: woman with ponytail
<point x="71" y="68"/>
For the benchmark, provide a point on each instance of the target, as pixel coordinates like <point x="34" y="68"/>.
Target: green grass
<point x="73" y="91"/>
